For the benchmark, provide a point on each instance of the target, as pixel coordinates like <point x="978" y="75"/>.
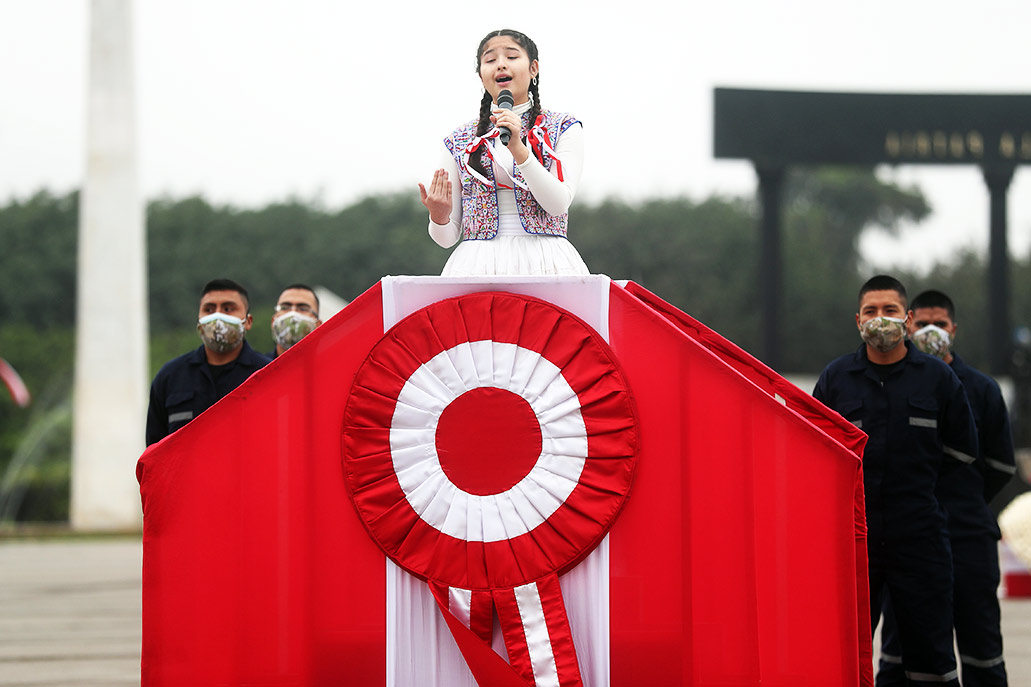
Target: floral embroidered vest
<point x="480" y="202"/>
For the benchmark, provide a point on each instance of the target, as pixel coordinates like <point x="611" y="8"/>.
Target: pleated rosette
<point x="489" y="443"/>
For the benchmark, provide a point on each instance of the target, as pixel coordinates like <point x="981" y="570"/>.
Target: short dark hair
<point x="883" y="282"/>
<point x="304" y="287"/>
<point x="227" y="285"/>
<point x="935" y="299"/>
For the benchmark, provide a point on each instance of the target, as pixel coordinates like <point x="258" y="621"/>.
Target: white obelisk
<point x="111" y="373"/>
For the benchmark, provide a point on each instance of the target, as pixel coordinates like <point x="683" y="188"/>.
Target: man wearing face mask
<point x="188" y="385"/>
<point x="296" y="315"/>
<point x="913" y="408"/>
<point x="965" y="493"/>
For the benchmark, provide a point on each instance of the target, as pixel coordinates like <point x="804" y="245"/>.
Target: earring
<point x="534" y="81"/>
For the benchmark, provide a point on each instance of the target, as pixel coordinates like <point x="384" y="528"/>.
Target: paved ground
<point x="70" y="615"/>
<point x="70" y="612"/>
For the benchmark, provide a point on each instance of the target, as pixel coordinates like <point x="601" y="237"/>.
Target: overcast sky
<point x="253" y="101"/>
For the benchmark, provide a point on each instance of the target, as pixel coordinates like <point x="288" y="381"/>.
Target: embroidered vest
<point x="480" y="202"/>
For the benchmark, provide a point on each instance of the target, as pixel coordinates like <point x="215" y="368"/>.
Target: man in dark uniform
<point x="965" y="493"/>
<point x="188" y="385"/>
<point x="918" y="420"/>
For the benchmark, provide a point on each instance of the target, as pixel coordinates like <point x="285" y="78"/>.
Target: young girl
<point x="508" y="204"/>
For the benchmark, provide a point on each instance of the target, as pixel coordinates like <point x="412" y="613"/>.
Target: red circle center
<point x="487" y="440"/>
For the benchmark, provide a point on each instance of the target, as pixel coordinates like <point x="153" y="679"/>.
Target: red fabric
<point x="486" y="666"/>
<point x="481" y="616"/>
<point x="814" y="412"/>
<point x="512" y="629"/>
<point x="256" y="568"/>
<point x="559" y="631"/>
<point x="728" y="564"/>
<point x="517" y="624"/>
<point x="487" y="440"/>
<point x="734" y="561"/>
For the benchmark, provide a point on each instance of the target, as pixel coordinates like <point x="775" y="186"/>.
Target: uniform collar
<point x="860" y="361"/>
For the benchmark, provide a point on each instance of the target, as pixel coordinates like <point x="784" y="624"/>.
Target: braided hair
<point x="483" y="125"/>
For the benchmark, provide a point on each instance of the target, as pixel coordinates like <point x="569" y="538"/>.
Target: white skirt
<point x="513" y="254"/>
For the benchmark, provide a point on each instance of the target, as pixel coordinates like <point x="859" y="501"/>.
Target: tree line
<point x="701" y="255"/>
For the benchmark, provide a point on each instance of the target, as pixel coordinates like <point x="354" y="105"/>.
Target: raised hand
<point x="438" y="198"/>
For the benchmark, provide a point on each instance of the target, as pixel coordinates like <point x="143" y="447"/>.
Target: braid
<point x="484" y="124"/>
<point x="535" y="108"/>
<point x="476" y="161"/>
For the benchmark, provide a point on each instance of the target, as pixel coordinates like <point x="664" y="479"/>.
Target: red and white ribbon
<point x="537" y="137"/>
<point x="541" y="141"/>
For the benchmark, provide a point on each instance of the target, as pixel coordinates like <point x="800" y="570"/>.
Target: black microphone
<point x="505" y="102"/>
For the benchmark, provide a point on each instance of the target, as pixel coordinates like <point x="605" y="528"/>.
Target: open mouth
<point x="503" y="79"/>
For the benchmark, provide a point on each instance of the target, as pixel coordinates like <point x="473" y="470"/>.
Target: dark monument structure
<point x="775" y="129"/>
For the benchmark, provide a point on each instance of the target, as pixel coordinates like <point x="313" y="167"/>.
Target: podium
<point x="737" y="557"/>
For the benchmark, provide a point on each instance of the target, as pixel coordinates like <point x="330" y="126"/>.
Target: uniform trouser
<point x="917" y="574"/>
<point x="976" y="618"/>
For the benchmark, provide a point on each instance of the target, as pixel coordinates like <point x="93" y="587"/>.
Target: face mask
<point x="220" y="332"/>
<point x="883" y="333"/>
<point x="291" y="327"/>
<point x="933" y="340"/>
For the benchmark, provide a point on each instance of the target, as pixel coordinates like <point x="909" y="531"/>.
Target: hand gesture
<point x="438" y="198"/>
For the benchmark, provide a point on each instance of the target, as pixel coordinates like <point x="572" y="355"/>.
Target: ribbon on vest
<point x="489" y="444"/>
<point x="541" y="141"/>
<point x="537" y="137"/>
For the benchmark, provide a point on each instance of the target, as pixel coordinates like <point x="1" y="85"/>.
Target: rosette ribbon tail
<point x="487" y="667"/>
<point x="534" y="625"/>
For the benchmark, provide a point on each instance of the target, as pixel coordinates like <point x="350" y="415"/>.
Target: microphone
<point x="505" y="102"/>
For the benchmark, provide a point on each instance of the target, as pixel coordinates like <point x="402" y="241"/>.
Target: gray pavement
<point x="70" y="615"/>
<point x="70" y="612"/>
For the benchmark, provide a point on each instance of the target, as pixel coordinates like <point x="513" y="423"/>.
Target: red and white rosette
<point x="489" y="442"/>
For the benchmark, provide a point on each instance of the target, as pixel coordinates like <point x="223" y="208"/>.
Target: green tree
<point x="699" y="255"/>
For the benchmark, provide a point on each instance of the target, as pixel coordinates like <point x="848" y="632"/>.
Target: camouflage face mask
<point x="932" y="340"/>
<point x="291" y="327"/>
<point x="220" y="332"/>
<point x="883" y="333"/>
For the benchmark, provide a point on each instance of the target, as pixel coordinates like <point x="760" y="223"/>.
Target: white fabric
<point x="460" y="603"/>
<point x="513" y="250"/>
<point x="587" y="297"/>
<point x="1015" y="523"/>
<point x="422" y="653"/>
<point x="420" y="649"/>
<point x="538" y="641"/>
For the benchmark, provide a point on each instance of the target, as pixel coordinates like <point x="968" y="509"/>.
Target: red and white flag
<point x="19" y="392"/>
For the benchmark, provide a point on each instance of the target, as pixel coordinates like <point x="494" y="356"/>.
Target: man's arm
<point x="997" y="443"/>
<point x="958" y="433"/>
<point x="157" y="415"/>
<point x="820" y="390"/>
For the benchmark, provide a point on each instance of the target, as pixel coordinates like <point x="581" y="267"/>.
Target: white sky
<point x="252" y="101"/>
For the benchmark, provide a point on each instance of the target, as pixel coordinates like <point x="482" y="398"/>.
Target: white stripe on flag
<point x="460" y="602"/>
<point x="538" y="641"/>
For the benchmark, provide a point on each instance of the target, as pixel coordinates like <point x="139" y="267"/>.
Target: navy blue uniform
<point x="974" y="534"/>
<point x="920" y="427"/>
<point x="186" y="386"/>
